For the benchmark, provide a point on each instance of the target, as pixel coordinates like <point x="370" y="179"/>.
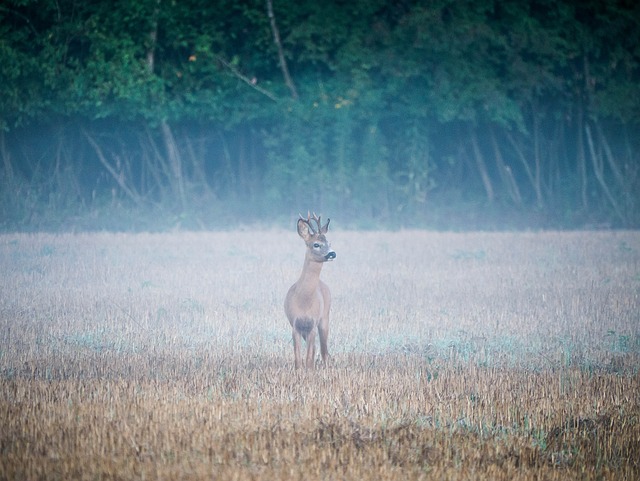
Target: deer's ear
<point x="304" y="230"/>
<point x="325" y="228"/>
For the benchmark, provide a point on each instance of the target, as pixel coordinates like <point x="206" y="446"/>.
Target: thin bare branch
<point x="250" y="82"/>
<point x="118" y="177"/>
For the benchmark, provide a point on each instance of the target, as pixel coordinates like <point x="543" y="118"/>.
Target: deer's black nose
<point x="330" y="255"/>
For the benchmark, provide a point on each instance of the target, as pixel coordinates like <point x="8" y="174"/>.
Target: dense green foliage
<point x="434" y="113"/>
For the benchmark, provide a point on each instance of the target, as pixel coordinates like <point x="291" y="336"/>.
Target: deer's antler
<point x="307" y="220"/>
<point x="317" y="219"/>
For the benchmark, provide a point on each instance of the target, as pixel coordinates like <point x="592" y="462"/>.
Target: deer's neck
<point x="309" y="278"/>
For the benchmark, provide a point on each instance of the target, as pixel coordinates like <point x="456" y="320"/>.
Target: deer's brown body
<point x="308" y="301"/>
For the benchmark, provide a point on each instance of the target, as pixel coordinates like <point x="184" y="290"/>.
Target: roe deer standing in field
<point x="308" y="301"/>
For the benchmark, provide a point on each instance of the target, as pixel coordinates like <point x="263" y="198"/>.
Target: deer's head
<point x="318" y="247"/>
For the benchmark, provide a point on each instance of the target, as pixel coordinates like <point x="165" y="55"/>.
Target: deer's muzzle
<point x="330" y="256"/>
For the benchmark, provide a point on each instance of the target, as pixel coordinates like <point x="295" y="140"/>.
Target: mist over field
<point x="457" y="355"/>
<point x="390" y="290"/>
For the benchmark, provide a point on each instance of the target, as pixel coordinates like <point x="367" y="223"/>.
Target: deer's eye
<point x="316" y="245"/>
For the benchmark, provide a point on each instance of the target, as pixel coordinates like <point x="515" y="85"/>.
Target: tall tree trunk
<point x="196" y="156"/>
<point x="608" y="154"/>
<point x="156" y="164"/>
<point x="598" y="170"/>
<point x="482" y="166"/>
<point x="597" y="157"/>
<point x="282" y="60"/>
<point x="153" y="38"/>
<point x="228" y="172"/>
<point x="6" y="158"/>
<point x="536" y="152"/>
<point x="527" y="168"/>
<point x="175" y="161"/>
<point x="176" y="178"/>
<point x="581" y="158"/>
<point x="506" y="174"/>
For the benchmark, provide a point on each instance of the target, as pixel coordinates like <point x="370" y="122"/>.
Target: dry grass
<point x="455" y="356"/>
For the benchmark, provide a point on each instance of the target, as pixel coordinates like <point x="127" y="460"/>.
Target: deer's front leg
<point x="297" y="341"/>
<point x="323" y="330"/>
<point x="311" y="349"/>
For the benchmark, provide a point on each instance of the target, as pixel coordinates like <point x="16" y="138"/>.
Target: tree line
<point x="405" y="113"/>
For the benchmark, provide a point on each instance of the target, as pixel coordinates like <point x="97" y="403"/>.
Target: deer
<point x="308" y="301"/>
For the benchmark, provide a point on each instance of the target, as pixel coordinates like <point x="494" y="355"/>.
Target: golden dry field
<point x="479" y="356"/>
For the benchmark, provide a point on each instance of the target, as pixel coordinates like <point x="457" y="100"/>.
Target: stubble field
<point x="454" y="356"/>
